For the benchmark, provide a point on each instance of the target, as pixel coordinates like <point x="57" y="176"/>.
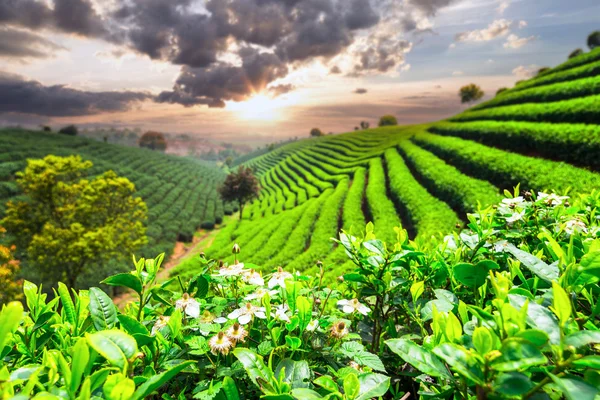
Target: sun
<point x="258" y="108"/>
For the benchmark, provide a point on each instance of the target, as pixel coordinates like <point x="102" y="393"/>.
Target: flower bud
<point x="341" y="278"/>
<point x="202" y="255"/>
<point x="527" y="195"/>
<point x="236" y="249"/>
<point x="319" y="264"/>
<point x="221" y="263"/>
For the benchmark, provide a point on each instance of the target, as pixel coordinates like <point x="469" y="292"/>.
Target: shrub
<point x="70" y="130"/>
<point x="388" y="120"/>
<point x="502" y="310"/>
<point x="502" y="89"/>
<point x="575" y="53"/>
<point x="542" y="70"/>
<point x="207" y="225"/>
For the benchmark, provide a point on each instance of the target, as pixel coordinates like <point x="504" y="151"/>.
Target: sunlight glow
<point x="259" y="108"/>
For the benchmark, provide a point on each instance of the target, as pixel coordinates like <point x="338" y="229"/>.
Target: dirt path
<point x="180" y="252"/>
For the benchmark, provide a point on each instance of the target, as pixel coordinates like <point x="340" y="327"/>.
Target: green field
<point x="542" y="134"/>
<point x="180" y="193"/>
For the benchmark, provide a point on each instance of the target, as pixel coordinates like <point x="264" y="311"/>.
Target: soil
<point x="181" y="251"/>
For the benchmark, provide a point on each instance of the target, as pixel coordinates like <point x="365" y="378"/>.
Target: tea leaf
<point x="102" y="310"/>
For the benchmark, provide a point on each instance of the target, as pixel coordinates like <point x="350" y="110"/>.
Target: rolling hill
<point x="542" y="134"/>
<point x="180" y="193"/>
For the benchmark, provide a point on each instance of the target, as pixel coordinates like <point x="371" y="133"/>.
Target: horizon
<point x="278" y="72"/>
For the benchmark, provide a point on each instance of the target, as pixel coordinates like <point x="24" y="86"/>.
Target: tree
<point x="364" y="125"/>
<point x="316" y="132"/>
<point x="46" y="128"/>
<point x="153" y="141"/>
<point x="70" y="224"/>
<point x="593" y="40"/>
<point x="470" y="93"/>
<point x="240" y="187"/>
<point x="70" y="130"/>
<point x="388" y="120"/>
<point x="229" y="161"/>
<point x="575" y="53"/>
<point x="502" y="89"/>
<point x="9" y="268"/>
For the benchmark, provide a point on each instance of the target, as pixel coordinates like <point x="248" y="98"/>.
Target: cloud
<point x="22" y="44"/>
<point x="523" y="71"/>
<point x="458" y="73"/>
<point x="69" y="16"/>
<point x="210" y="39"/>
<point x="504" y="4"/>
<point x="224" y="82"/>
<point x="279" y="90"/>
<point x="497" y="28"/>
<point x="31" y="97"/>
<point x="515" y="42"/>
<point x="360" y="91"/>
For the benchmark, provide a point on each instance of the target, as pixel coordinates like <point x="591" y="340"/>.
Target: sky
<point x="258" y="71"/>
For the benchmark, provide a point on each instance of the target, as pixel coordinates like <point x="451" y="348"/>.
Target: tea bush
<point x="505" y="309"/>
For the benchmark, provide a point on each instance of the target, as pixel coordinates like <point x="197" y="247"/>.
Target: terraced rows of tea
<point x="542" y="134"/>
<point x="180" y="193"/>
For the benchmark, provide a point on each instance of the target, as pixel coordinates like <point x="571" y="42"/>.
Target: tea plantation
<point x="180" y="193"/>
<point x="542" y="134"/>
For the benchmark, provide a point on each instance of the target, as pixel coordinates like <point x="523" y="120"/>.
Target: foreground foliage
<point x="505" y="309"/>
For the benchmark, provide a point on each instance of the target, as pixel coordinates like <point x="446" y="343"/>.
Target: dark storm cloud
<point x="17" y="43"/>
<point x="70" y="16"/>
<point x="360" y="91"/>
<point x="221" y="81"/>
<point x="430" y="7"/>
<point x="31" y="97"/>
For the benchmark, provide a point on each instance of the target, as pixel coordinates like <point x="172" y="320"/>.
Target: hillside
<point x="180" y="193"/>
<point x="542" y="134"/>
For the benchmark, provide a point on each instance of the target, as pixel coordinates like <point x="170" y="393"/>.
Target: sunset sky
<point x="261" y="70"/>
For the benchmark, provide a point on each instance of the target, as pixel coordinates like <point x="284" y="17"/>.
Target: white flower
<point x="253" y="277"/>
<point x="232" y="270"/>
<point x="160" y="323"/>
<point x="552" y="199"/>
<point x="245" y="313"/>
<point x="220" y="343"/>
<point x="208" y="318"/>
<point x="517" y="216"/>
<point x="450" y="242"/>
<point x="339" y="330"/>
<point x="500" y="246"/>
<point x="575" y="226"/>
<point x="312" y="325"/>
<point x="237" y="333"/>
<point x="279" y="278"/>
<point x="351" y="306"/>
<point x="280" y="313"/>
<point x="514" y="202"/>
<point x="188" y="305"/>
<point x="260" y="293"/>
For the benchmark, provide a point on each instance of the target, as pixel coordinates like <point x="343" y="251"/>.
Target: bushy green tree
<point x="593" y="40"/>
<point x="388" y="120"/>
<point x="11" y="286"/>
<point x="316" y="132"/>
<point x="70" y="223"/>
<point x="502" y="89"/>
<point x="153" y="141"/>
<point x="70" y="130"/>
<point x="240" y="187"/>
<point x="470" y="92"/>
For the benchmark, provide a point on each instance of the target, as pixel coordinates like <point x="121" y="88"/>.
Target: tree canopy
<point x="593" y="40"/>
<point x="470" y="92"/>
<point x="69" y="223"/>
<point x="240" y="187"/>
<point x="153" y="141"/>
<point x="9" y="268"/>
<point x="70" y="130"/>
<point x="316" y="132"/>
<point x="575" y="53"/>
<point x="388" y="120"/>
